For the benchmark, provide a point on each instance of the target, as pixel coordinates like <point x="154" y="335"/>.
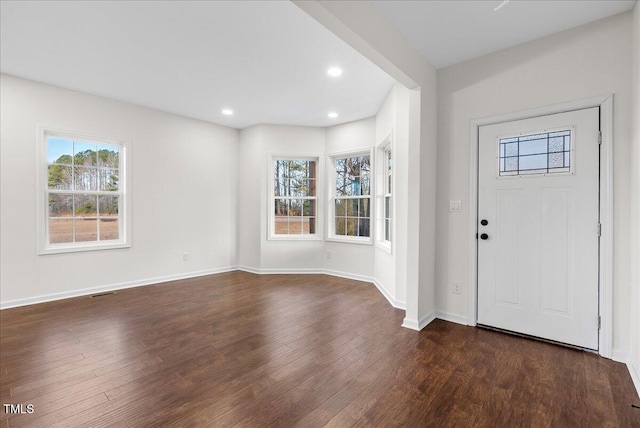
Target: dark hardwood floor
<point x="299" y="350"/>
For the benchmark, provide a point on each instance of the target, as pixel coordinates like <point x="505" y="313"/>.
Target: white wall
<point x="256" y="251"/>
<point x="404" y="201"/>
<point x="183" y="197"/>
<point x="306" y="141"/>
<point x="248" y="201"/>
<point x="594" y="59"/>
<point x="390" y="268"/>
<point x="384" y="261"/>
<point x="635" y="202"/>
<point x="355" y="259"/>
<point x="429" y="184"/>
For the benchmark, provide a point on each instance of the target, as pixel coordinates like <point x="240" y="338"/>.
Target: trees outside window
<point x="351" y="205"/>
<point x="294" y="198"/>
<point x="83" y="191"/>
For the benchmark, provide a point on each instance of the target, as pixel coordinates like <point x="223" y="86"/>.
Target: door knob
<point x="484" y="222"/>
<point x="484" y="236"/>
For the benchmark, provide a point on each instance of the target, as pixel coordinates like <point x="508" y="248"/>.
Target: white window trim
<point x="42" y="227"/>
<point x="387" y="143"/>
<point x="271" y="235"/>
<point x="331" y="236"/>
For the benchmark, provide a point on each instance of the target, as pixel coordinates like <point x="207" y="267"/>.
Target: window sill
<point x="351" y="240"/>
<point x="66" y="248"/>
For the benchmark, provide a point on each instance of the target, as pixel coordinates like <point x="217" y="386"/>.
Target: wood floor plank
<point x="238" y="349"/>
<point x="624" y="394"/>
<point x="40" y="381"/>
<point x="600" y="406"/>
<point x="81" y="384"/>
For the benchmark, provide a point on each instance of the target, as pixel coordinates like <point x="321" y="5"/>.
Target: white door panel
<point x="556" y="270"/>
<point x="507" y="261"/>
<point x="538" y="267"/>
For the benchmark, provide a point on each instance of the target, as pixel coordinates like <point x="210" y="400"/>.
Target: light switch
<point x="455" y="206"/>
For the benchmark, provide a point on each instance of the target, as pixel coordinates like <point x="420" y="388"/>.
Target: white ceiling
<point x="448" y="32"/>
<point x="266" y="60"/>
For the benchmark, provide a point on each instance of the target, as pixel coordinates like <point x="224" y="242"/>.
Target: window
<point x="294" y="198"/>
<point x="384" y="191"/>
<point x="387" y="193"/>
<point x="542" y="153"/>
<point x="351" y="206"/>
<point x="83" y="193"/>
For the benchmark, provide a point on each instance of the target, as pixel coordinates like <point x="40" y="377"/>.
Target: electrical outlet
<point x="455" y="289"/>
<point x="185" y="256"/>
<point x="328" y="254"/>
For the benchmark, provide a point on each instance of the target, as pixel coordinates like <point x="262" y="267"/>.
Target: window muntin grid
<point x="387" y="194"/>
<point x="352" y="202"/>
<point x="295" y="200"/>
<point x="541" y="153"/>
<point x="84" y="192"/>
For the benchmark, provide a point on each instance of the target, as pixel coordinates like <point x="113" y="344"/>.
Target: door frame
<point x="605" y="303"/>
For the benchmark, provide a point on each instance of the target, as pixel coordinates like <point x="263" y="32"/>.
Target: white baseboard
<point x="280" y="271"/>
<point x="411" y="324"/>
<point x="619" y="356"/>
<point x="348" y="275"/>
<point x="305" y="271"/>
<point x="427" y="319"/>
<point x="634" y="371"/>
<point x="112" y="287"/>
<point x="395" y="303"/>
<point x="419" y="324"/>
<point x="249" y="269"/>
<point x="448" y="316"/>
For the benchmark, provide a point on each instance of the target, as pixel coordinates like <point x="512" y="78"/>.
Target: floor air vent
<point x="103" y="294"/>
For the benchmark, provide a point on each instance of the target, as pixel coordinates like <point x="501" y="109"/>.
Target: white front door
<point x="538" y="226"/>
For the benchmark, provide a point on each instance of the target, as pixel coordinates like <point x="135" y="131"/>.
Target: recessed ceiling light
<point x="332" y="114"/>
<point x="334" y="72"/>
<point x="227" y="112"/>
